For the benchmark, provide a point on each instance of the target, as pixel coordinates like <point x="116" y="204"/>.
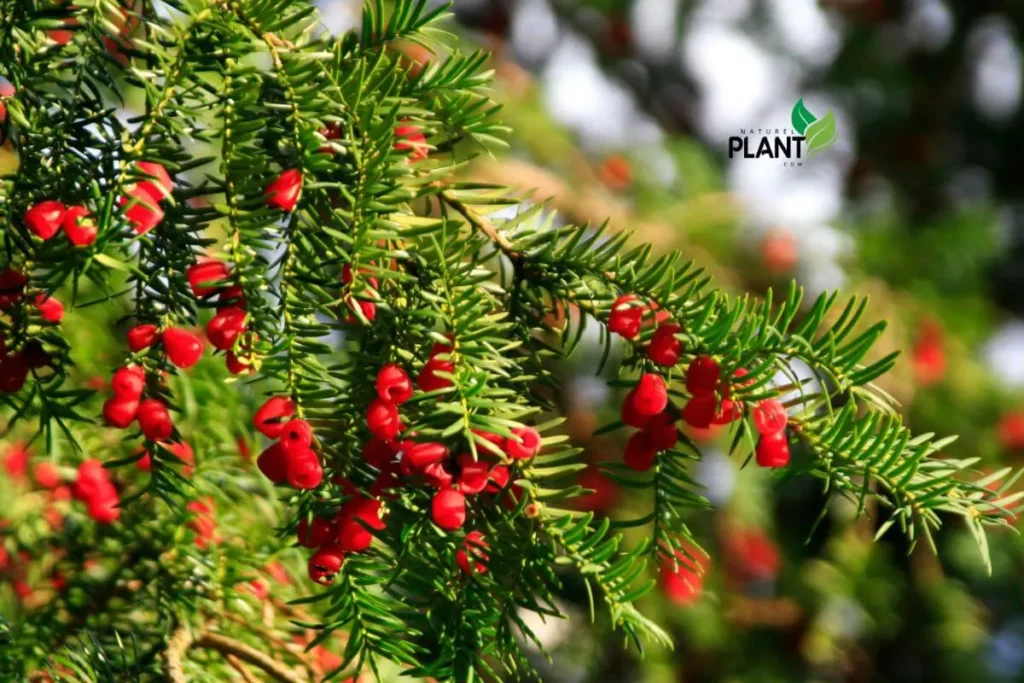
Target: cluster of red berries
<point x="183" y="348"/>
<point x="93" y="487"/>
<point x="292" y="458"/>
<point x="44" y="219"/>
<point x="14" y="367"/>
<point x="454" y="477"/>
<point x="770" y="419"/>
<point x="143" y="198"/>
<point x="431" y="462"/>
<point x="127" y="405"/>
<point x="283" y="191"/>
<point x="230" y="322"/>
<point x="647" y="407"/>
<point x="348" y="532"/>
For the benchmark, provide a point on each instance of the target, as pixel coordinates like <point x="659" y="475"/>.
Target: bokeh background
<point x="621" y="109"/>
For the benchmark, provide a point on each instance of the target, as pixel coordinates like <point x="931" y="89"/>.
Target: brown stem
<point x="183" y="639"/>
<point x="180" y="641"/>
<point x="480" y="222"/>
<point x="241" y="668"/>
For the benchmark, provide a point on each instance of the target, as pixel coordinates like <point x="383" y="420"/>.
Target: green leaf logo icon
<point x="802" y="117"/>
<point x="821" y="134"/>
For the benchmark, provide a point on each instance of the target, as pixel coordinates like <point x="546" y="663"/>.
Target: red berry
<point x="79" y="226"/>
<point x="773" y="450"/>
<point x="12" y="287"/>
<point x="346" y="276"/>
<point x="1011" y="431"/>
<point x="141" y="337"/>
<point x="497" y="478"/>
<point x="13" y="373"/>
<point x="92" y="481"/>
<point x="681" y="584"/>
<point x="429" y="378"/>
<point x="225" y="327"/>
<point x="119" y="412"/>
<point x="49" y="307"/>
<point x="382" y="419"/>
<point x="770" y="416"/>
<point x="728" y="412"/>
<point x="238" y="365"/>
<point x="325" y="563"/>
<point x="702" y="375"/>
<point x="273" y="463"/>
<point x="232" y="295"/>
<point x="378" y="453"/>
<point x="629" y="414"/>
<point x="420" y="455"/>
<point x="128" y="382"/>
<point x="184" y="349"/>
<point x="296" y="435"/>
<point x="367" y="308"/>
<point x="473" y="546"/>
<point x="356" y="519"/>
<point x="439" y="348"/>
<point x="283" y="192"/>
<point x="353" y="536"/>
<point x="103" y="510"/>
<point x="665" y="348"/>
<point x="640" y="452"/>
<point x="143" y="212"/>
<point x="46" y="475"/>
<point x="624" y="319"/>
<point x="44" y="218"/>
<point x="525" y="446"/>
<point x="304" y="470"/>
<point x="269" y="419"/>
<point x="159" y="185"/>
<point x="448" y="509"/>
<point x="438" y="476"/>
<point x="699" y="411"/>
<point x="663" y="432"/>
<point x="651" y="396"/>
<point x="473" y="474"/>
<point x="183" y="452"/>
<point x="393" y="384"/>
<point x="489" y="442"/>
<point x="411" y="139"/>
<point x="207" y="277"/>
<point x="315" y="534"/>
<point x="155" y="420"/>
<point x="15" y="460"/>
